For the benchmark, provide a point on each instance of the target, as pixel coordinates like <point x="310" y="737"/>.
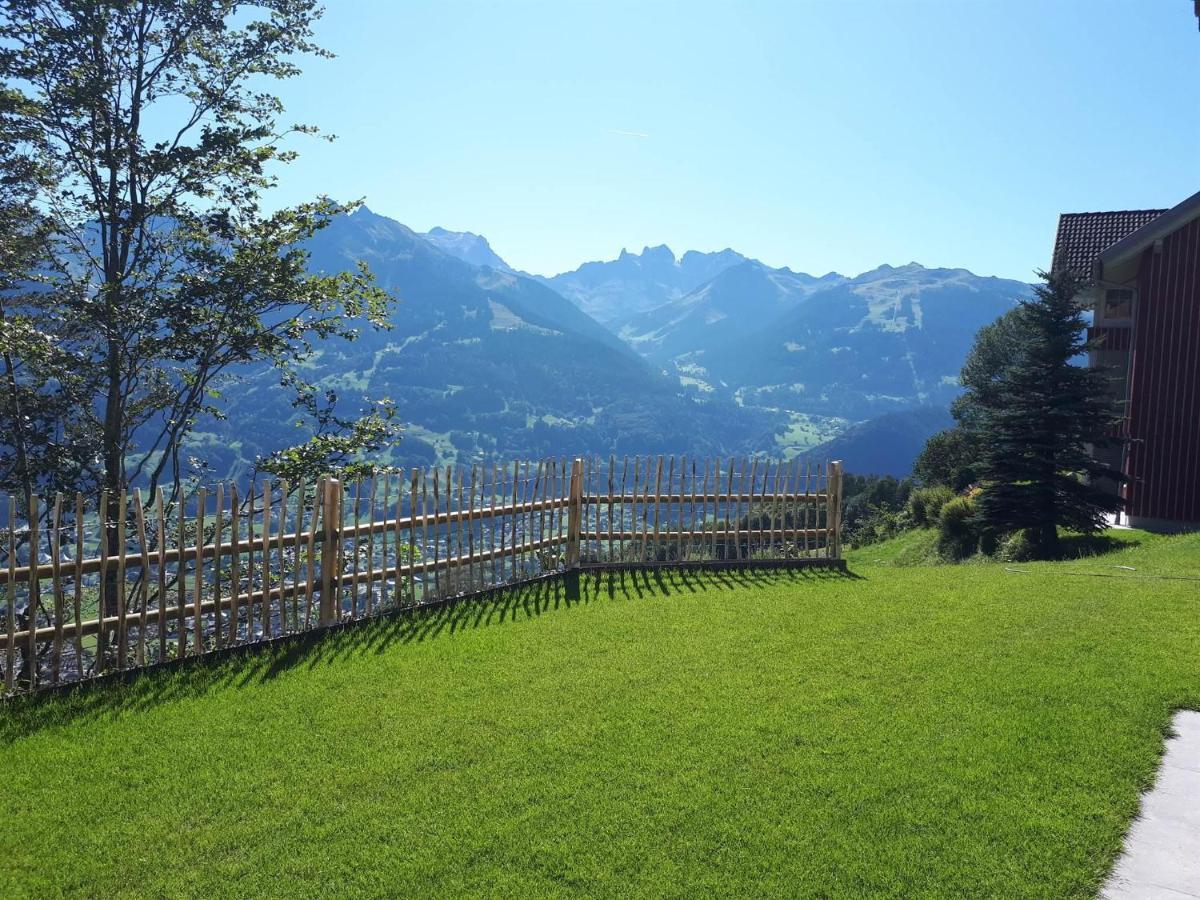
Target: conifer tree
<point x="952" y="457"/>
<point x="1038" y="422"/>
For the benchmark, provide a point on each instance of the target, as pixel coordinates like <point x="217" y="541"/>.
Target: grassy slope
<point x="933" y="730"/>
<point x="909" y="548"/>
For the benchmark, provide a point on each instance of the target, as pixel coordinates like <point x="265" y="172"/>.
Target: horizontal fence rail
<point x="135" y="580"/>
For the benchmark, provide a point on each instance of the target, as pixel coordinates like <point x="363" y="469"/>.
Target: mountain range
<point x="735" y="304"/>
<point x="705" y="353"/>
<point x="886" y="444"/>
<point x="614" y="292"/>
<point x="852" y="347"/>
<point x="483" y="363"/>
<point x="885" y="340"/>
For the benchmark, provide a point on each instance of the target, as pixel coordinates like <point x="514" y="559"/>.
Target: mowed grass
<point x="937" y="731"/>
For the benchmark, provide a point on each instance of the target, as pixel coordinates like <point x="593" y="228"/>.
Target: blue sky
<point x="817" y="135"/>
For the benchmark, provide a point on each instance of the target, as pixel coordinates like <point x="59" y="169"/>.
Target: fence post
<point x="331" y="516"/>
<point x="574" y="513"/>
<point x="835" y="503"/>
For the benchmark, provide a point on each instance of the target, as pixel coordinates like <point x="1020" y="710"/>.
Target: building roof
<point x="1082" y="237"/>
<point x="1155" y="230"/>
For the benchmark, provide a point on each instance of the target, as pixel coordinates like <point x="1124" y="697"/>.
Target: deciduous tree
<point x="144" y="135"/>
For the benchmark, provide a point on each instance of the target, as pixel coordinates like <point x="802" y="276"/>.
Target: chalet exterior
<point x="1142" y="275"/>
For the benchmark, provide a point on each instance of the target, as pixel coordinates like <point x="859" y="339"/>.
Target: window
<point x="1118" y="303"/>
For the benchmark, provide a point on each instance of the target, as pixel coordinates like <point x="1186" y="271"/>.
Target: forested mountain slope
<point x="481" y="362"/>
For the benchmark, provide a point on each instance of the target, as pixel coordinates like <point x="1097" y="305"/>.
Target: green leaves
<point x="162" y="275"/>
<point x="345" y="451"/>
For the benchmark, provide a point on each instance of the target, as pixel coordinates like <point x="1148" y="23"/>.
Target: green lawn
<point x="937" y="731"/>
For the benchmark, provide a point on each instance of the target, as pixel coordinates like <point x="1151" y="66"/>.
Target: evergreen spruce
<point x="953" y="457"/>
<point x="1037" y="423"/>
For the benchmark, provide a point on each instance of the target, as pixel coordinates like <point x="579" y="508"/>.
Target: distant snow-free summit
<point x="467" y="246"/>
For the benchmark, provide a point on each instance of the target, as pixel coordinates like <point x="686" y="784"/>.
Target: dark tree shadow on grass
<point x="260" y="663"/>
<point x="1081" y="546"/>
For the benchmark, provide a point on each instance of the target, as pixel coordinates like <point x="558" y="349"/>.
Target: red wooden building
<point x="1142" y="269"/>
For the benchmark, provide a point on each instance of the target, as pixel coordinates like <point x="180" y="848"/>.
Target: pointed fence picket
<point x="84" y="592"/>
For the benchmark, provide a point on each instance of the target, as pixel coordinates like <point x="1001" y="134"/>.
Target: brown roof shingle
<point x="1084" y="236"/>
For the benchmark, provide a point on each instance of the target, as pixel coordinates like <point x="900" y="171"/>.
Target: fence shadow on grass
<point x="257" y="664"/>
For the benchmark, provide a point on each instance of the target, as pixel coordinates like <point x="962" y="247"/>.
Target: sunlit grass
<point x="936" y="730"/>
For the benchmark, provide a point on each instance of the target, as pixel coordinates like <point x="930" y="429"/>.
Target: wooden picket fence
<point x="220" y="569"/>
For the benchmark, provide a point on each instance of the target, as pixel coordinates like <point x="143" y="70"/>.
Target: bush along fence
<point x="85" y="594"/>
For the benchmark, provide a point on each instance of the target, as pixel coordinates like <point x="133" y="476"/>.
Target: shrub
<point x="958" y="533"/>
<point x="916" y="508"/>
<point x="950" y="457"/>
<point x="1016" y="547"/>
<point x="875" y="525"/>
<point x="925" y="504"/>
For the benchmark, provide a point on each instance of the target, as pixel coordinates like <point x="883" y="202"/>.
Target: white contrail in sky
<point x="636" y="134"/>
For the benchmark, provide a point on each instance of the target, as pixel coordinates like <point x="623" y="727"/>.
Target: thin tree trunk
<point x="113" y="478"/>
<point x="18" y="424"/>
